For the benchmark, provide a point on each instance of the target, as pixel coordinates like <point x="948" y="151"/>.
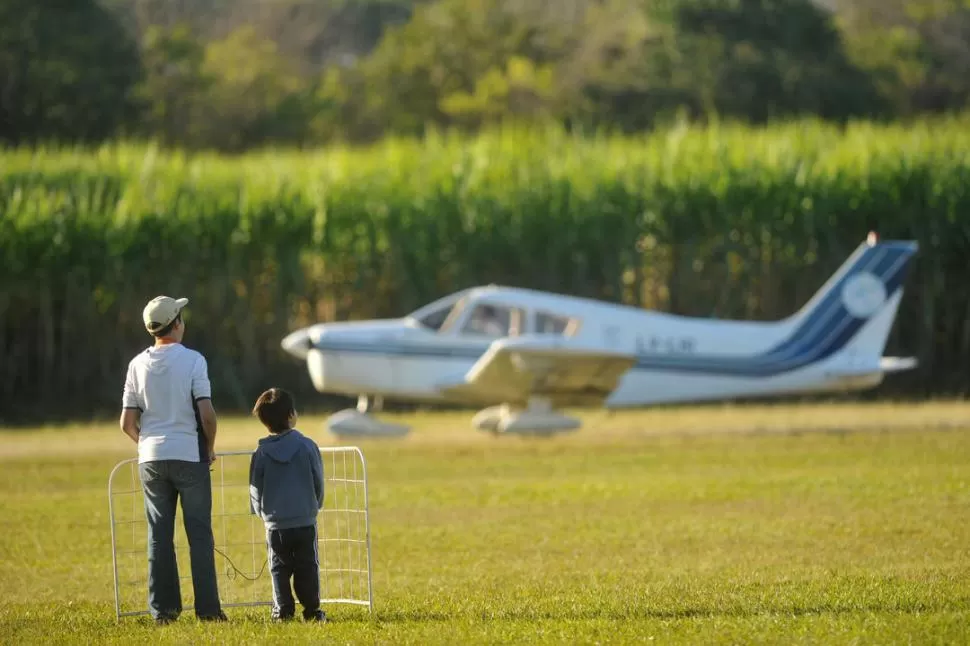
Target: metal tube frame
<point x="328" y="449"/>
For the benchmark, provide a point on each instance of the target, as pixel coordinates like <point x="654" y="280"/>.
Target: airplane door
<point x="463" y="338"/>
<point x="481" y="325"/>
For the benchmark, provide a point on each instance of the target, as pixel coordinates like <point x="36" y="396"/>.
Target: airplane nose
<point x="297" y="343"/>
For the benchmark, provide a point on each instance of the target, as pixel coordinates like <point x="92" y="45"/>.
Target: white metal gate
<point x="240" y="540"/>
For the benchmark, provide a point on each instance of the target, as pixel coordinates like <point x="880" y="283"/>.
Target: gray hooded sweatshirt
<point x="286" y="480"/>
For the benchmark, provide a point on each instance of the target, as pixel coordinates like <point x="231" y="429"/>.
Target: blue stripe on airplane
<point x="827" y="328"/>
<point x="825" y="331"/>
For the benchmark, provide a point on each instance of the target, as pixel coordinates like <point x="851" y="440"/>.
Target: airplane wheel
<point x="488" y="419"/>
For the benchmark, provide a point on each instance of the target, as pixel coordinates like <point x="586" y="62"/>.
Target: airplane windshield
<point x="435" y="318"/>
<point x="485" y="320"/>
<point x="454" y="314"/>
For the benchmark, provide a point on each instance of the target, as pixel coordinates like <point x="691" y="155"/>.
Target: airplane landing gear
<point x="537" y="418"/>
<point x="364" y="404"/>
<point x="357" y="422"/>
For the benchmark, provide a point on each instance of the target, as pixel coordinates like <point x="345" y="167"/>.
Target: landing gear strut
<point x="357" y="422"/>
<point x="364" y="404"/>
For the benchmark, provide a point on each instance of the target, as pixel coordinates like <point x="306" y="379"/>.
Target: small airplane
<point x="521" y="353"/>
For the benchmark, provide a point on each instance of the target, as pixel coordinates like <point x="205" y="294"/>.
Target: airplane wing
<point x="513" y="369"/>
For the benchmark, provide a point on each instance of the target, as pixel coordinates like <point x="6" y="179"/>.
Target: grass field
<point x="760" y="524"/>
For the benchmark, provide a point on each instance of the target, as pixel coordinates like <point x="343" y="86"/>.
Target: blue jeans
<point x="163" y="481"/>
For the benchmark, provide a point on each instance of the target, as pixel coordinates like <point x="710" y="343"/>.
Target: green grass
<point x="758" y="524"/>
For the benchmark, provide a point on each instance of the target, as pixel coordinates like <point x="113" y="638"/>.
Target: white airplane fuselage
<point x="834" y="342"/>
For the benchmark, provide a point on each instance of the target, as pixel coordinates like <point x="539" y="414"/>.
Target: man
<point x="167" y="411"/>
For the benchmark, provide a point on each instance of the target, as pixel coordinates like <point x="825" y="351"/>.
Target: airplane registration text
<point x="659" y="344"/>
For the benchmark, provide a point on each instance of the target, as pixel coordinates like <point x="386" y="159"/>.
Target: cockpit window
<point x="436" y="318"/>
<point x="453" y="317"/>
<point x="495" y="321"/>
<point x="552" y="324"/>
<point x="435" y="315"/>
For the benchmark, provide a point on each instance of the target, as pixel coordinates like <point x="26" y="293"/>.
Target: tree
<point x="519" y="90"/>
<point x="454" y="61"/>
<point x="773" y="58"/>
<point x="919" y="50"/>
<point x="252" y="86"/>
<point x="66" y="72"/>
<point x="626" y="70"/>
<point x="172" y="91"/>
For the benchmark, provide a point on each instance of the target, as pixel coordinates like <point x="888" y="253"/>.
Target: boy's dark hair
<point x="273" y="408"/>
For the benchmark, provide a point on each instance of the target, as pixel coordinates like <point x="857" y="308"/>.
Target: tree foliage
<point x="773" y="58"/>
<point x="234" y="74"/>
<point x="918" y="51"/>
<point x="67" y="70"/>
<point x="174" y="80"/>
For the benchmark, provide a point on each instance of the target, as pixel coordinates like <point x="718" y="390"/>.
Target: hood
<point x="160" y="358"/>
<point x="282" y="447"/>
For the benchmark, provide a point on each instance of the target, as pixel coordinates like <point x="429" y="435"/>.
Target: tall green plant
<point x="726" y="221"/>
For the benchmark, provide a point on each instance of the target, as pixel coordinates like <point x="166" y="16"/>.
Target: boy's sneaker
<point x="220" y="617"/>
<point x="318" y="615"/>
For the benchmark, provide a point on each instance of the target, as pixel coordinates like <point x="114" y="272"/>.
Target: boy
<point x="286" y="491"/>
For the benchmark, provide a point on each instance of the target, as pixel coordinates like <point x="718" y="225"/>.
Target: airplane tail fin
<point x="887" y="261"/>
<point x="852" y="314"/>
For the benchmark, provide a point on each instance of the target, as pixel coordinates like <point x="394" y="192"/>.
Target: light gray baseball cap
<point x="161" y="311"/>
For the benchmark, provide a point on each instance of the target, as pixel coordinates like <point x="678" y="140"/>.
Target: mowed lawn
<point x="726" y="524"/>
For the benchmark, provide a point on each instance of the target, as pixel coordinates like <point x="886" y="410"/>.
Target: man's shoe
<point x="162" y="620"/>
<point x="318" y="615"/>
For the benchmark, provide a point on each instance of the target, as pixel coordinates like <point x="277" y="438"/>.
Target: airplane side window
<point x="552" y="324"/>
<point x="489" y="320"/>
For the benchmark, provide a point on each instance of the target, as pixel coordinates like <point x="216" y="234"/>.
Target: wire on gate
<point x="232" y="566"/>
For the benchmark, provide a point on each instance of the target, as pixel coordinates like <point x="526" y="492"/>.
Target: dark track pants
<point x="293" y="553"/>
